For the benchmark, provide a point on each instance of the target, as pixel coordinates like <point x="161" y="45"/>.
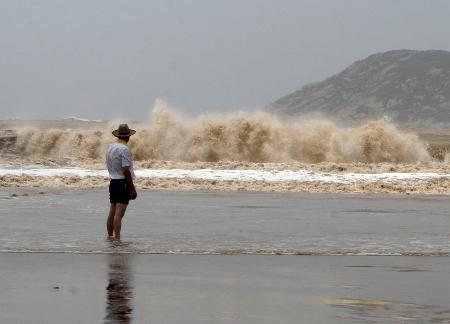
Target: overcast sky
<point x="103" y="59"/>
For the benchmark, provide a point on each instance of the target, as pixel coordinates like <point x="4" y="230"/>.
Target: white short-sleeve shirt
<point x="118" y="155"/>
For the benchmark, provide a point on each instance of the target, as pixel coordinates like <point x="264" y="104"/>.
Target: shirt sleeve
<point x="126" y="158"/>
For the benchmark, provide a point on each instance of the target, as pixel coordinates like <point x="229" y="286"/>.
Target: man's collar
<point x="121" y="141"/>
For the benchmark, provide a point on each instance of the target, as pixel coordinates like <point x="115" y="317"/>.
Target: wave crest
<point x="257" y="137"/>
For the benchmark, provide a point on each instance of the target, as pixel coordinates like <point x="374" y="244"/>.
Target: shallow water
<point x="69" y="220"/>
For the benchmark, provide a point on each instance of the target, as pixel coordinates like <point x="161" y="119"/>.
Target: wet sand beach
<point x="224" y="257"/>
<point x="130" y="288"/>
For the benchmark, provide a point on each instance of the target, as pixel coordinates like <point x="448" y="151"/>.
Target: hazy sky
<point x="103" y="59"/>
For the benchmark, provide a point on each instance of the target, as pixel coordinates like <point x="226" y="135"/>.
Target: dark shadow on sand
<point x="119" y="291"/>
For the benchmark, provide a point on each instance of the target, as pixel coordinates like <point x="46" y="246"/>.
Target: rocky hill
<point x="411" y="87"/>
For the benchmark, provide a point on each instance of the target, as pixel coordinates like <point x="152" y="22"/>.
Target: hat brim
<point x="116" y="133"/>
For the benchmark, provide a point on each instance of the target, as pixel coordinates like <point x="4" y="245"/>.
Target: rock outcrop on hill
<point x="411" y="87"/>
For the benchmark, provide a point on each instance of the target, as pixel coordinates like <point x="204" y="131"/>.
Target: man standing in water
<point x="121" y="174"/>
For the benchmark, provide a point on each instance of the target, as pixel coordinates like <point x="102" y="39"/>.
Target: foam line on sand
<point x="231" y="175"/>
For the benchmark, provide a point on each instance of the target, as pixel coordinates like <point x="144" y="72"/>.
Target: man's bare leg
<point x="110" y="220"/>
<point x="120" y="212"/>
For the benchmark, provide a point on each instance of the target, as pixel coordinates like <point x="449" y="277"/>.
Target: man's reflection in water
<point x="119" y="291"/>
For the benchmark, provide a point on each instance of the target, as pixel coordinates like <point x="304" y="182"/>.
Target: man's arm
<point x="129" y="180"/>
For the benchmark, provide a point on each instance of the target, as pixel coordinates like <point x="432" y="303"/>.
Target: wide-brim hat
<point x="123" y="131"/>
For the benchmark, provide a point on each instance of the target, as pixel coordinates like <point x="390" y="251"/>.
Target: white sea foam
<point x="229" y="175"/>
<point x="74" y="118"/>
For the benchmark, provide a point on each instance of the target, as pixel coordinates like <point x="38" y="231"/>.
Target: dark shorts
<point x="119" y="192"/>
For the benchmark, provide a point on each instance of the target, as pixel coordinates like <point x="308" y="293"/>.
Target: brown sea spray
<point x="257" y="137"/>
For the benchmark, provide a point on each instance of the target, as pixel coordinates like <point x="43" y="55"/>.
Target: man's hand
<point x="133" y="194"/>
<point x="129" y="180"/>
